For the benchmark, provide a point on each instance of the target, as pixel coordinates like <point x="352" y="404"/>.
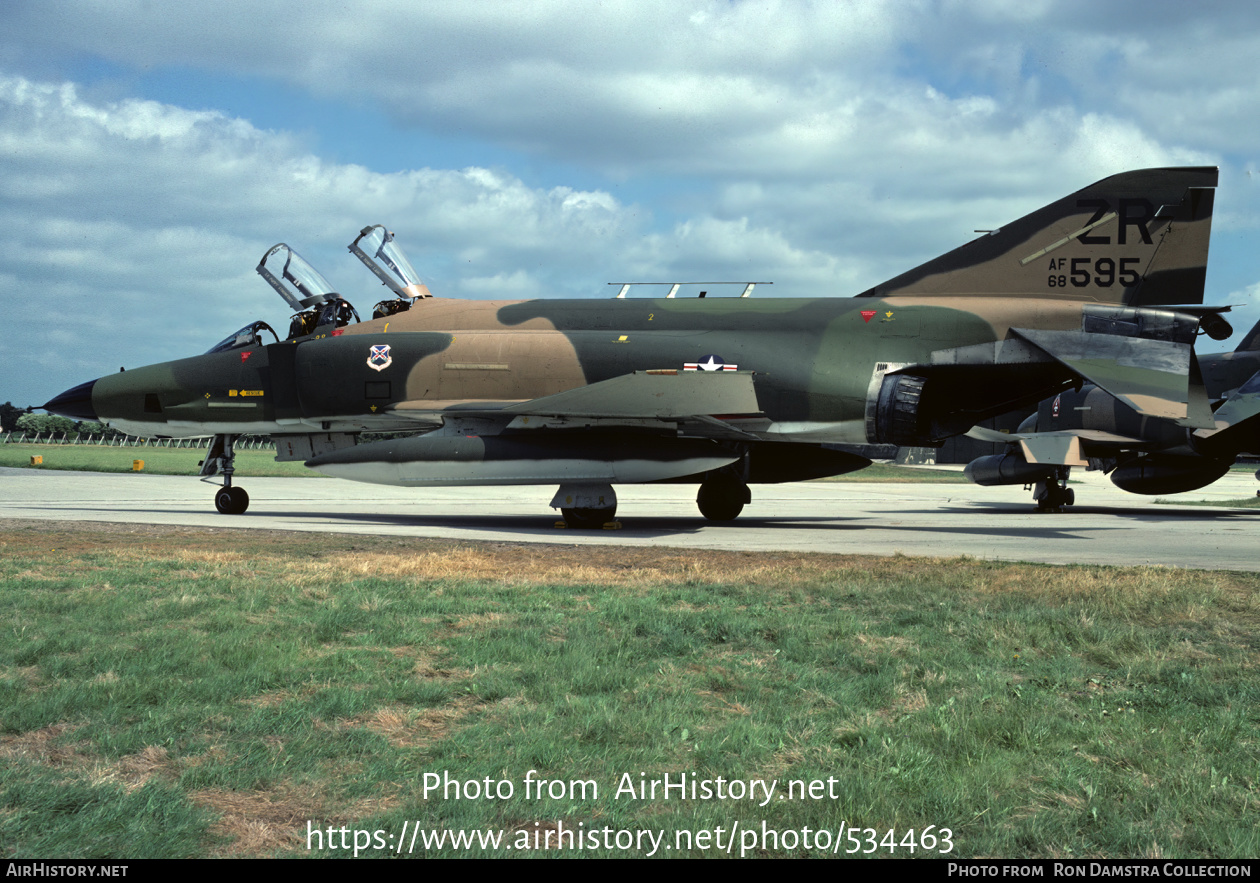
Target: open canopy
<point x="300" y="284"/>
<point x="375" y="246"/>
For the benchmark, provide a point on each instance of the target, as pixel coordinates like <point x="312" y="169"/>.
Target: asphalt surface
<point x="1107" y="526"/>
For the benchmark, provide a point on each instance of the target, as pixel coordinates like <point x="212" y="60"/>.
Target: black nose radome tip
<point x="75" y="402"/>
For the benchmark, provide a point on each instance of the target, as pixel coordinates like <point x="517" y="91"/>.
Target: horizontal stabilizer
<point x="1156" y="378"/>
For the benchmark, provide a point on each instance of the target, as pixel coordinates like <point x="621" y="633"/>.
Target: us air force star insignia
<point x="379" y="358"/>
<point x="709" y="363"/>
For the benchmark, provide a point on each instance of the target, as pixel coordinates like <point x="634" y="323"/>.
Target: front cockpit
<point x="249" y="336"/>
<point x="316" y="305"/>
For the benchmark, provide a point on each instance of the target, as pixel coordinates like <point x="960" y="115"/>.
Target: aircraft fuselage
<point x="812" y="361"/>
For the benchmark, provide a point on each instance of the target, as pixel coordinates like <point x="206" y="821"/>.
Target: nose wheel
<point x="231" y="500"/>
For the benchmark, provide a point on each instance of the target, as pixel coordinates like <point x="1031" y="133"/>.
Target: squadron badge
<point x="379" y="358"/>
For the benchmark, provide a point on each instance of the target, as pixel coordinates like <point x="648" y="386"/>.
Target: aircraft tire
<point x="231" y="501"/>
<point x="721" y="500"/>
<point x="1056" y="498"/>
<point x="588" y="519"/>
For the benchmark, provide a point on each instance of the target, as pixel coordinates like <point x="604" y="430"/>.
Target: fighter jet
<point x="1102" y="286"/>
<point x="1089" y="428"/>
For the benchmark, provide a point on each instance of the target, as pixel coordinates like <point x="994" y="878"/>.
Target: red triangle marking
<point x="868" y="315"/>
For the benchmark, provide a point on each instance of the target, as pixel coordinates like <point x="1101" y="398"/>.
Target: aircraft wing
<point x="644" y="426"/>
<point x="700" y="404"/>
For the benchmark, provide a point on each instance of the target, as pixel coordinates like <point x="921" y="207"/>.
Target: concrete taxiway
<point x="1107" y="526"/>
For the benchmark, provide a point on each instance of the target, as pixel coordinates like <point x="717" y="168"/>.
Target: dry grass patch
<point x="887" y="645"/>
<point x="27" y="675"/>
<point x="130" y="772"/>
<point x="258" y="822"/>
<point x="135" y="770"/>
<point x="417" y="728"/>
<point x="479" y="620"/>
<point x="538" y="565"/>
<point x="906" y="701"/>
<point x="37" y="746"/>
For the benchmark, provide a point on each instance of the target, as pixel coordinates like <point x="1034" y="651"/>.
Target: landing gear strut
<point x="219" y="460"/>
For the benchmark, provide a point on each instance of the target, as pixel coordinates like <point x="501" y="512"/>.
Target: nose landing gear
<point x="219" y="460"/>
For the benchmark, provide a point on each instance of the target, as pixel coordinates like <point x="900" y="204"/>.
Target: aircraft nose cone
<point x="75" y="402"/>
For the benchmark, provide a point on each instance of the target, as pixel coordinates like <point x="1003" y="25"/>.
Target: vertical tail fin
<point x="1250" y="343"/>
<point x="1135" y="239"/>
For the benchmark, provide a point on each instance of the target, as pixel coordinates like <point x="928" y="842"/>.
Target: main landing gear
<point x="1052" y="493"/>
<point x="229" y="500"/>
<point x="722" y="496"/>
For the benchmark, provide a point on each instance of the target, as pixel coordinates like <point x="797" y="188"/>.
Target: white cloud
<point x="137" y="225"/>
<point x="824" y="145"/>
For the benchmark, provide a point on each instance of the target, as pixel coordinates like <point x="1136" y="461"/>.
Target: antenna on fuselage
<point x="674" y="286"/>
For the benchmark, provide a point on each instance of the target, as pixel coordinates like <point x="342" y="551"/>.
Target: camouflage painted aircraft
<point x="1102" y="286"/>
<point x="1143" y="455"/>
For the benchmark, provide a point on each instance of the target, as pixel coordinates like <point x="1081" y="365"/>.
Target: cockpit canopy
<point x="306" y="286"/>
<point x="375" y="246"/>
<point x="303" y="288"/>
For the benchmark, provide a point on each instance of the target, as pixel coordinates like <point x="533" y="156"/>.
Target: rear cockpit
<point x="316" y="305"/>
<point x="376" y="248"/>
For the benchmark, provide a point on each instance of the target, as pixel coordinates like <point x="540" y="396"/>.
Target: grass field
<point x="174" y="692"/>
<point x="158" y="461"/>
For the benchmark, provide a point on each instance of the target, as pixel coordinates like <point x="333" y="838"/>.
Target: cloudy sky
<point x="150" y="153"/>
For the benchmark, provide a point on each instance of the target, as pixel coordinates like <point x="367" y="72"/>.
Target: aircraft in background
<point x="1103" y="286"/>
<point x="1143" y="455"/>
